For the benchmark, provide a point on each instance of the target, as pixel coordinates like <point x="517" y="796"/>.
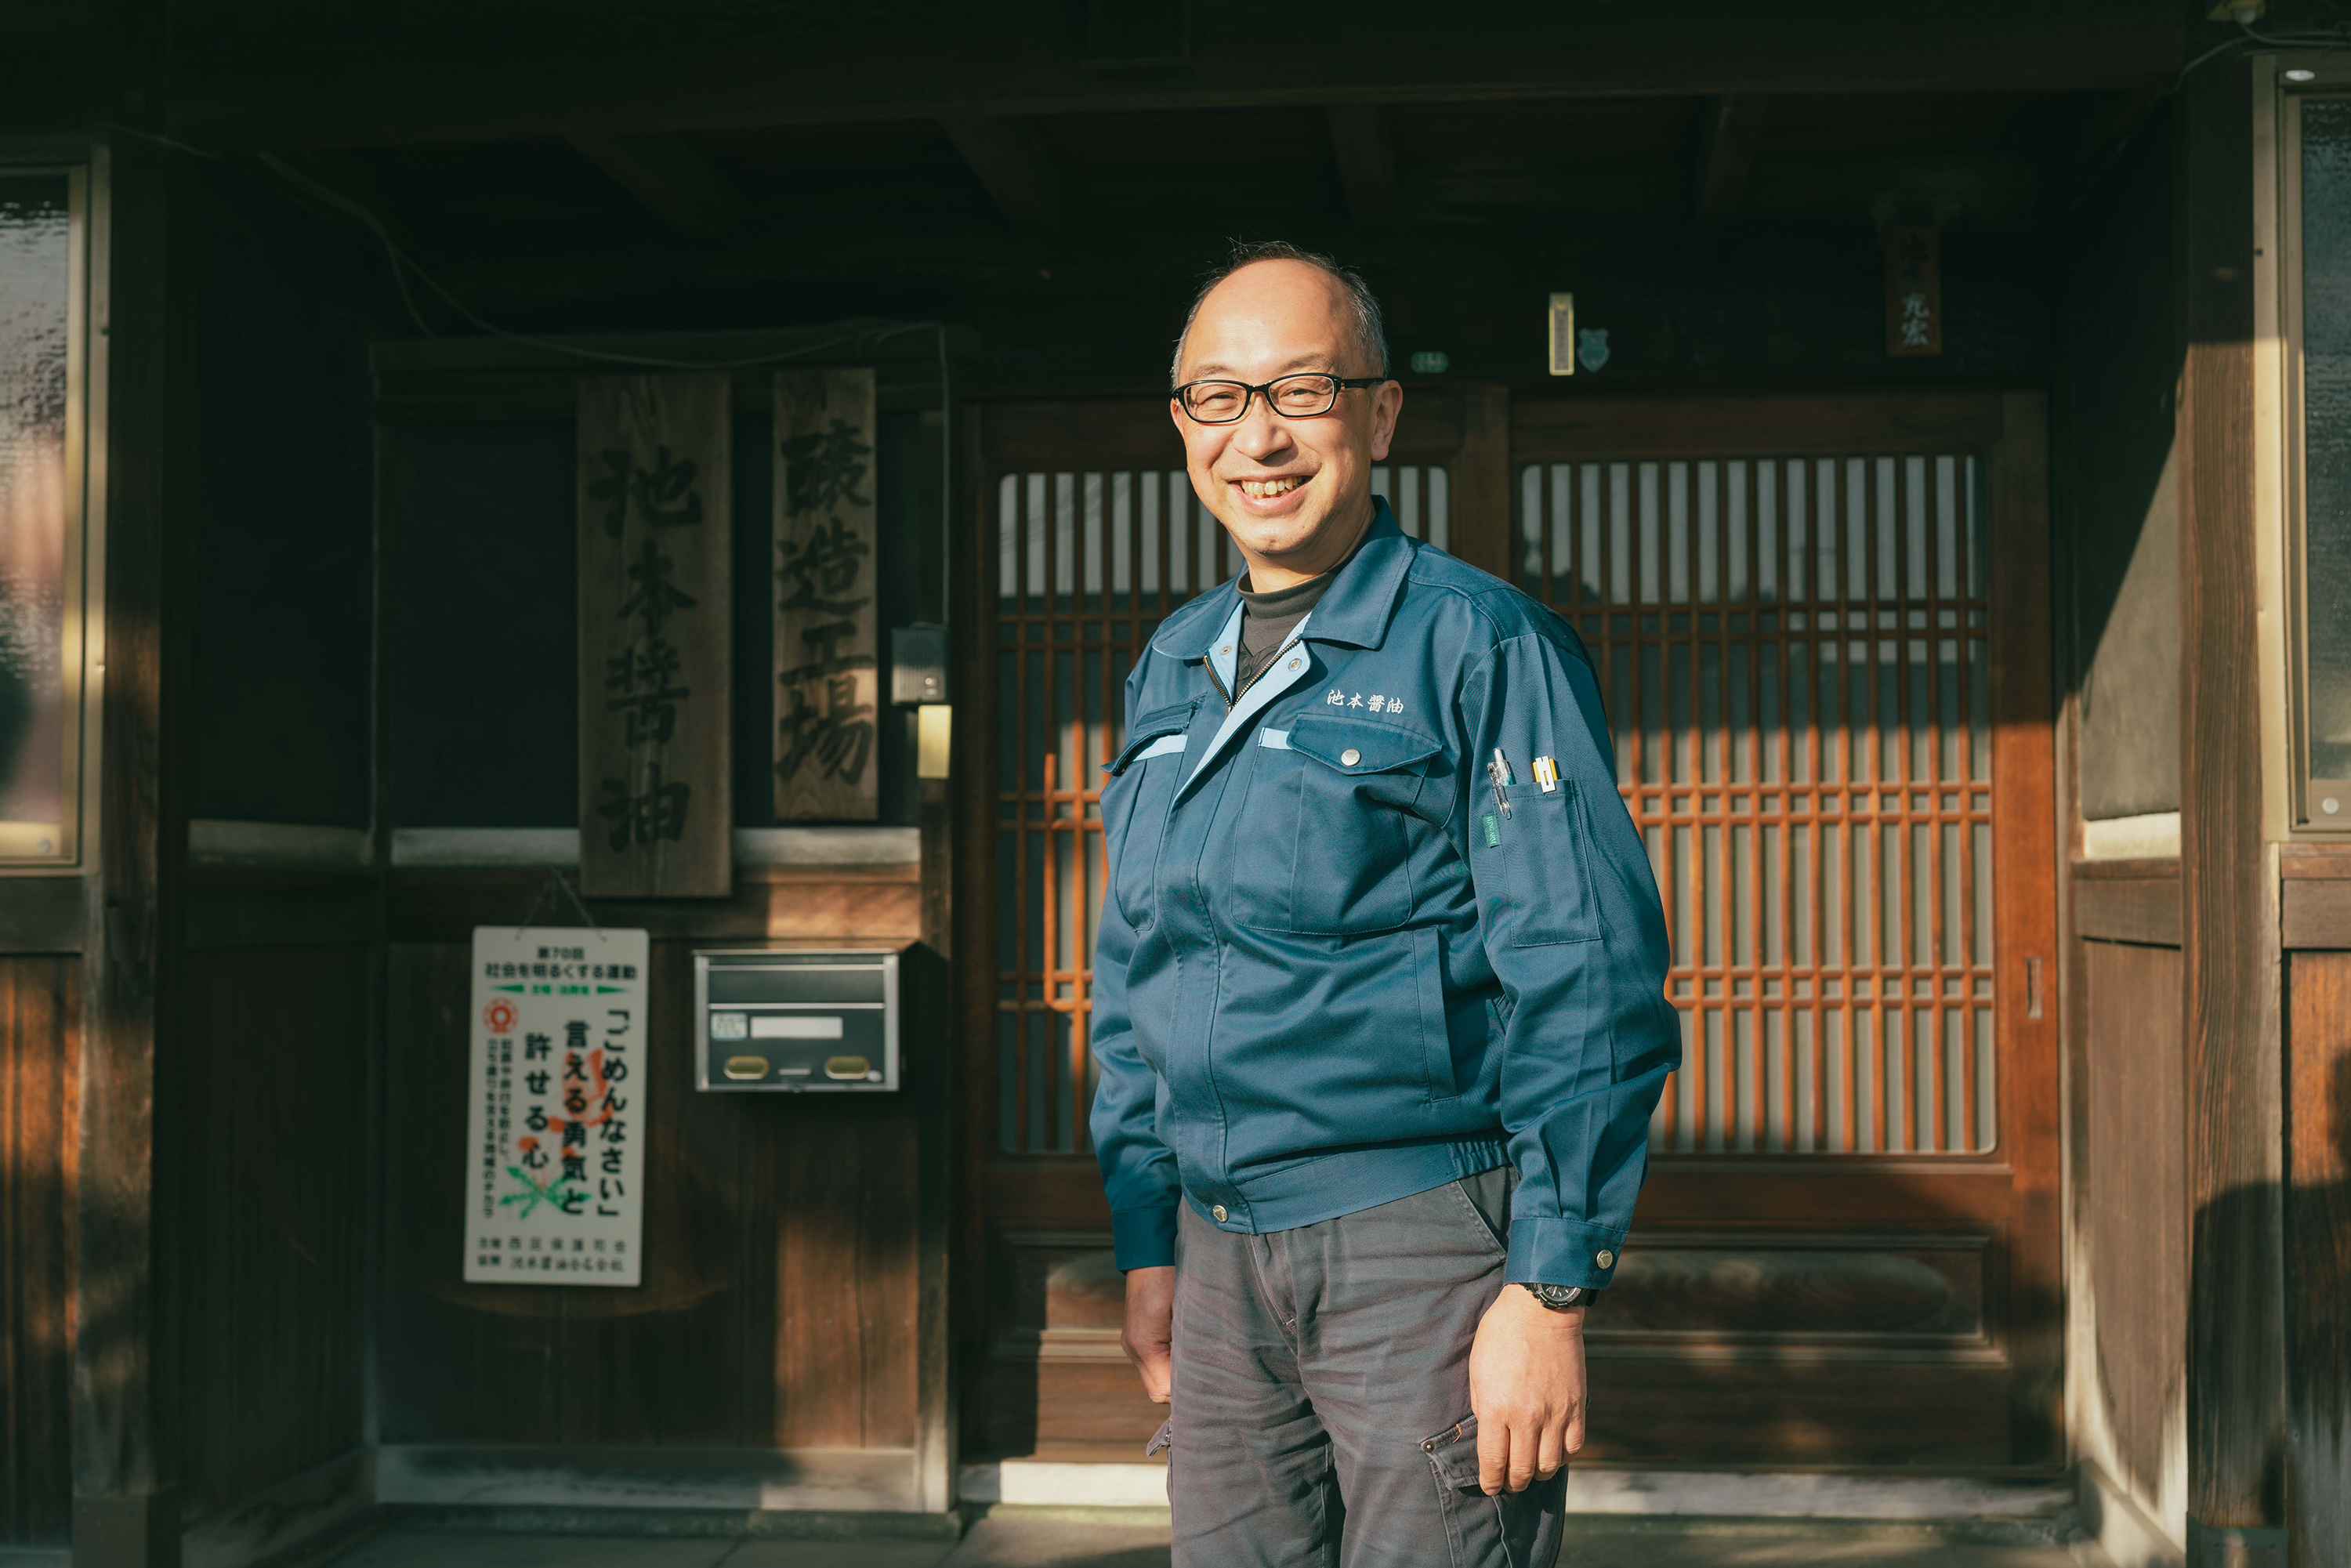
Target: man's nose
<point x="1262" y="432"/>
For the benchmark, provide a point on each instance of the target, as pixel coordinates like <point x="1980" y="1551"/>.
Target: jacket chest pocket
<point x="1336" y="800"/>
<point x="1143" y="779"/>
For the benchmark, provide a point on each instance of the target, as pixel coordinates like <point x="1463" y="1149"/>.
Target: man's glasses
<point x="1301" y="396"/>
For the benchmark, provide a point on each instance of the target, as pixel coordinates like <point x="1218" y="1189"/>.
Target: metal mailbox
<point x="796" y="1021"/>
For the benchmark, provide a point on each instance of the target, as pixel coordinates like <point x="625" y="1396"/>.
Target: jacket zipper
<point x="1233" y="700"/>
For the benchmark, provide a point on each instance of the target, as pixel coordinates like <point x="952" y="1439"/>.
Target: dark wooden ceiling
<point x="911" y="157"/>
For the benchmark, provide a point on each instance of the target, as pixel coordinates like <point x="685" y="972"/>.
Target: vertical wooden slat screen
<point x="1088" y="564"/>
<point x="1794" y="659"/>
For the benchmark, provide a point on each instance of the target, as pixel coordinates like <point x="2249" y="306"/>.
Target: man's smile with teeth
<point x="1267" y="489"/>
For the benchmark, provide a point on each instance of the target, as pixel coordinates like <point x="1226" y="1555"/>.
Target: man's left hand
<point x="1526" y="1388"/>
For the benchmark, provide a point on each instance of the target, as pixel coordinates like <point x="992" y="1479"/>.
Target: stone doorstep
<point x="2029" y="1509"/>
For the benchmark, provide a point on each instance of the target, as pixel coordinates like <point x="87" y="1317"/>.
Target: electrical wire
<point x="402" y="265"/>
<point x="2249" y="38"/>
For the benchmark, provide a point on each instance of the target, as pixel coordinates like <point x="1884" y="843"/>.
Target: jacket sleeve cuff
<point x="1560" y="1252"/>
<point x="1143" y="1237"/>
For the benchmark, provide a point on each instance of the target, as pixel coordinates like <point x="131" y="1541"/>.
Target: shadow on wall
<point x="2317" y="1219"/>
<point x="2116" y="492"/>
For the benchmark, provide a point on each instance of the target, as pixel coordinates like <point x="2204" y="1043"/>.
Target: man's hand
<point x="1150" y="1328"/>
<point x="1526" y="1387"/>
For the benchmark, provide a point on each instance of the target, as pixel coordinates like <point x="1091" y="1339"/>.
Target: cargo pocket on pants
<point x="1163" y="1441"/>
<point x="1514" y="1530"/>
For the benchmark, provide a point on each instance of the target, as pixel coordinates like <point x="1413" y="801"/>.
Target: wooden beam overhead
<point x="1707" y="48"/>
<point x="1729" y="131"/>
<point x="669" y="174"/>
<point x="1017" y="179"/>
<point x="1359" y="136"/>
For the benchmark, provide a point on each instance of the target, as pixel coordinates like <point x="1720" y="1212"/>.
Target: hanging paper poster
<point x="555" y="1159"/>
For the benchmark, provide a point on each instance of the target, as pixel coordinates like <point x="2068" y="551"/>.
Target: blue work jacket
<point x="1332" y="969"/>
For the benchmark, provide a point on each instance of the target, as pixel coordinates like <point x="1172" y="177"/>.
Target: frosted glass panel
<point x="36" y="329"/>
<point x="2326" y="391"/>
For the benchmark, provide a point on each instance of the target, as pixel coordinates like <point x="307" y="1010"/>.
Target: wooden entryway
<point x="1821" y="625"/>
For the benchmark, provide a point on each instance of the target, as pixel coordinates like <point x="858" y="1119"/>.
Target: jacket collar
<point x="1355" y="610"/>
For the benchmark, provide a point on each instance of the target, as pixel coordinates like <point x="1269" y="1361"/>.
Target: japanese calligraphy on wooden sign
<point x="828" y="683"/>
<point x="1914" y="292"/>
<point x="555" y="1117"/>
<point x="656" y="807"/>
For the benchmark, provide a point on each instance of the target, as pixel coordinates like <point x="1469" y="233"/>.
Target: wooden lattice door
<point x="1822" y="628"/>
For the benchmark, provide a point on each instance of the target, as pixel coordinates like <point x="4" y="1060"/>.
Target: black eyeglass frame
<point x="1249" y="394"/>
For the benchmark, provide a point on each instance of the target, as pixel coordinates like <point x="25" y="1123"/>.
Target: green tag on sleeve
<point x="1493" y="832"/>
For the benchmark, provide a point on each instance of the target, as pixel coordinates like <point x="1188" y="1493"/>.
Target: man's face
<point x="1294" y="493"/>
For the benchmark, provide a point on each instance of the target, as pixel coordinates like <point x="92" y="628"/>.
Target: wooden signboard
<point x="1914" y="292"/>
<point x="656" y="807"/>
<point x="827" y="686"/>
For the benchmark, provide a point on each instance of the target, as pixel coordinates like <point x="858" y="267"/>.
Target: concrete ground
<point x="1062" y="1538"/>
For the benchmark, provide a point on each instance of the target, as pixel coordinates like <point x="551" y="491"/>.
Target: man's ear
<point x="1176" y="414"/>
<point x="1387" y="402"/>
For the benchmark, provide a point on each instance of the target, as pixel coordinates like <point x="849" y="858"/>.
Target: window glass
<point x="35" y="507"/>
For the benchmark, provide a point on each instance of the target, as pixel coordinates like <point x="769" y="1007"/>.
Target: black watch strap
<point x="1559" y="1298"/>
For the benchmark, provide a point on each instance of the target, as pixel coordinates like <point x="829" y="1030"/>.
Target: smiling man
<point x="1378" y="997"/>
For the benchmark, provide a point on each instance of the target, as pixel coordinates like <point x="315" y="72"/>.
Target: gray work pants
<point x="1320" y="1413"/>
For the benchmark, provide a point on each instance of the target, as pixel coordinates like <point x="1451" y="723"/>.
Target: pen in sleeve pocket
<point x="1499" y="770"/>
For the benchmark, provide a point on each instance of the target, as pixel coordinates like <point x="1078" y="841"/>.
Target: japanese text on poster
<point x="555" y="1155"/>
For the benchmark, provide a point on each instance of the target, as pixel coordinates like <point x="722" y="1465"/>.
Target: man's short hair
<point x="1371" y="331"/>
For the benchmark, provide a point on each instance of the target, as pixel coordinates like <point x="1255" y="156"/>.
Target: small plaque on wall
<point x="555" y="1107"/>
<point x="828" y="679"/>
<point x="1914" y="292"/>
<point x="656" y="807"/>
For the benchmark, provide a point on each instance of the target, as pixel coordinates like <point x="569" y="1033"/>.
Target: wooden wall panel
<point x="779" y="1303"/>
<point x="274" y="1196"/>
<point x="2131" y="1211"/>
<point x="39" y="1049"/>
<point x="2127" y="901"/>
<point x="2315" y="889"/>
<point x="2318" y="1252"/>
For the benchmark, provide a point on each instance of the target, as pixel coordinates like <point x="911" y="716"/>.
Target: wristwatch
<point x="1559" y="1298"/>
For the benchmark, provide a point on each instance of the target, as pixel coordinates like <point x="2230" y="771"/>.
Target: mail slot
<point x="795" y="1022"/>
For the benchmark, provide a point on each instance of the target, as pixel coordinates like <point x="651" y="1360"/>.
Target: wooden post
<point x="2236" y="1374"/>
<point x="2025" y="840"/>
<point x="125" y="1439"/>
<point x="1485" y="531"/>
<point x="828" y="684"/>
<point x="656" y="781"/>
